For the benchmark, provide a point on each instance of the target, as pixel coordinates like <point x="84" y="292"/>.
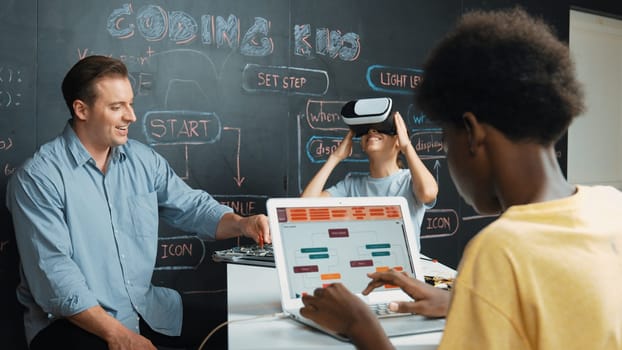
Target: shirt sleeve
<point x="44" y="244"/>
<point x="185" y="208"/>
<point x="474" y="323"/>
<point x="485" y="311"/>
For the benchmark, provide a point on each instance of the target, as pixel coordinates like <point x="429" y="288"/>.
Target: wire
<point x="276" y="314"/>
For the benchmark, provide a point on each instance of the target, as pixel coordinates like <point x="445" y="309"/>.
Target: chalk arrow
<point x="238" y="179"/>
<point x="437" y="165"/>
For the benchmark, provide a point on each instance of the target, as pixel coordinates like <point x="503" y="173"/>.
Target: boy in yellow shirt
<point x="547" y="274"/>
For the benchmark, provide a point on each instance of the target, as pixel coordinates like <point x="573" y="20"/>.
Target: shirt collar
<point x="79" y="153"/>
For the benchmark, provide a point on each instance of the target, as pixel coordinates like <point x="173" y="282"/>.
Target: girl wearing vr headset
<point x="386" y="174"/>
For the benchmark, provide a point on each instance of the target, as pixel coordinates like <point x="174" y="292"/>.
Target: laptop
<point x="319" y="241"/>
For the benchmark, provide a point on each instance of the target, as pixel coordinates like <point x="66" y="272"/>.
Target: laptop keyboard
<point x="382" y="310"/>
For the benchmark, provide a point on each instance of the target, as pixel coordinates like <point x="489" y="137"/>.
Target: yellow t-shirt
<point x="543" y="276"/>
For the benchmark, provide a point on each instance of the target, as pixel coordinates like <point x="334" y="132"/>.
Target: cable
<point x="276" y="314"/>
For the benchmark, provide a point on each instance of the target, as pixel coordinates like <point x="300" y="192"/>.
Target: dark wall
<point x="18" y="25"/>
<point x="241" y="97"/>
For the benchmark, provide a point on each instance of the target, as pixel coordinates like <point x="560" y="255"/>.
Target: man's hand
<point x="257" y="228"/>
<point x="118" y="337"/>
<point x="128" y="340"/>
<point x="233" y="225"/>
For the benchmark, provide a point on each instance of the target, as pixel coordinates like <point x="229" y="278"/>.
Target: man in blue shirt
<point x="85" y="209"/>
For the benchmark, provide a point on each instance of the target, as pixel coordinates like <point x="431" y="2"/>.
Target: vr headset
<point x="369" y="113"/>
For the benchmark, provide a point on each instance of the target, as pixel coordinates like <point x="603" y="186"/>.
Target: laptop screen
<point x="327" y="244"/>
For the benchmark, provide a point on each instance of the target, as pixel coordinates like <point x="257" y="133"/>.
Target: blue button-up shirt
<point x="86" y="238"/>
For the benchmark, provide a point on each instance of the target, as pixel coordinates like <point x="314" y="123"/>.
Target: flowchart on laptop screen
<point x="342" y="245"/>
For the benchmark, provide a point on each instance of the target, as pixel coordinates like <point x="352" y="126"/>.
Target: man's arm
<point x="97" y="321"/>
<point x="42" y="236"/>
<point x="233" y="225"/>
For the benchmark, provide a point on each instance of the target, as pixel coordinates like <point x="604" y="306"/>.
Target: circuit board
<point x="246" y="255"/>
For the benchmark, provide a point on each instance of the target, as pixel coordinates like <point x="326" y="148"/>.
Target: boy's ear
<point x="475" y="131"/>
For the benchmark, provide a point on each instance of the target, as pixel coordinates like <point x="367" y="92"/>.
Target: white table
<point x="253" y="303"/>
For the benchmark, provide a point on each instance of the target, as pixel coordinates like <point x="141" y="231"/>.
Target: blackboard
<point x="241" y="97"/>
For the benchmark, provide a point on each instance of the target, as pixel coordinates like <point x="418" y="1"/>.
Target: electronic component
<point x="246" y="255"/>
